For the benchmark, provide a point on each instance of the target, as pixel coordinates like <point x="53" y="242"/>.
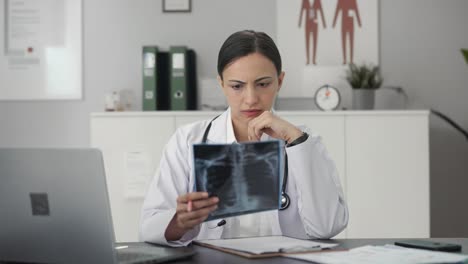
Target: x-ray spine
<point x="245" y="177"/>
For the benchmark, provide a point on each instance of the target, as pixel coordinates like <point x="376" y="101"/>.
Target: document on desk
<point x="268" y="244"/>
<point x="246" y="177"/>
<point x="388" y="254"/>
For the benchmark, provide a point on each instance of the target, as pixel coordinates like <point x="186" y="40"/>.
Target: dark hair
<point x="245" y="42"/>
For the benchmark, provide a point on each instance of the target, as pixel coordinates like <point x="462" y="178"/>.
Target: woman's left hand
<point x="272" y="125"/>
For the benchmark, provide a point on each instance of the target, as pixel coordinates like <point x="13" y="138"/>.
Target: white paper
<point x="138" y="172"/>
<point x="259" y="245"/>
<point x="388" y="254"/>
<point x="178" y="61"/>
<point x="149" y="60"/>
<point x="33" y="24"/>
<point x="40" y="37"/>
<point x="329" y="49"/>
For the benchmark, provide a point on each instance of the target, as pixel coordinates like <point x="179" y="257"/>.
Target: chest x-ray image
<point x="246" y="177"/>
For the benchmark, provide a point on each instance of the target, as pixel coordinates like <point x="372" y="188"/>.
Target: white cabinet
<point x="387" y="175"/>
<point x="119" y="136"/>
<point x="382" y="158"/>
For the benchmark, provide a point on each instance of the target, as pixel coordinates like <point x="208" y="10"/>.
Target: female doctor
<point x="313" y="206"/>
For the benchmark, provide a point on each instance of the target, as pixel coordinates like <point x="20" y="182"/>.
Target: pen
<point x="189" y="206"/>
<point x="299" y="249"/>
<point x="121" y="247"/>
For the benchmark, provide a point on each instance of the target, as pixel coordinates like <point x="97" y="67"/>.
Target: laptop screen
<point x="54" y="206"/>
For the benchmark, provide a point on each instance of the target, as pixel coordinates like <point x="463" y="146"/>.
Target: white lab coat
<point x="317" y="209"/>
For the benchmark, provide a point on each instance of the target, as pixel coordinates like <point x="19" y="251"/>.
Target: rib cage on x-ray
<point x="245" y="177"/>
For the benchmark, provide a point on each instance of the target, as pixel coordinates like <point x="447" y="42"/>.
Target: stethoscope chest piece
<point x="285" y="201"/>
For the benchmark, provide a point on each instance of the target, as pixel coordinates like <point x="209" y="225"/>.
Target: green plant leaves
<point x="465" y="53"/>
<point x="364" y="76"/>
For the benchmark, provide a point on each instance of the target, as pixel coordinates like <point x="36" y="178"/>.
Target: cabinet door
<point x="387" y="176"/>
<point x="132" y="147"/>
<point x="331" y="129"/>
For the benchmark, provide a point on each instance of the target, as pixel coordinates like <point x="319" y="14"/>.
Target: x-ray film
<point x="246" y="177"/>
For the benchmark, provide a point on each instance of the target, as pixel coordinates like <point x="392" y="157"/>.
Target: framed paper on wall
<point x="41" y="50"/>
<point x="320" y="38"/>
<point x="177" y="6"/>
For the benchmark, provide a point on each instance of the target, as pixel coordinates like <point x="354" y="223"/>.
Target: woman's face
<point x="250" y="84"/>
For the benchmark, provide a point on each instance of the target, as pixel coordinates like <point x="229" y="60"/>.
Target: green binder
<point x="150" y="78"/>
<point x="183" y="78"/>
<point x="178" y="80"/>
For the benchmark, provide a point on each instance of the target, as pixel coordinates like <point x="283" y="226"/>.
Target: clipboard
<point x="280" y="253"/>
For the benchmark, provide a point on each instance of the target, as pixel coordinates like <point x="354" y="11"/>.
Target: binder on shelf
<point x="155" y="79"/>
<point x="183" y="91"/>
<point x="149" y="77"/>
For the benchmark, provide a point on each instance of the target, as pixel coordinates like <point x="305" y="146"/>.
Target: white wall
<point x="114" y="31"/>
<point x="420" y="42"/>
<point x="420" y="50"/>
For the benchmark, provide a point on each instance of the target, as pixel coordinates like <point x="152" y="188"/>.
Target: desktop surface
<point x="206" y="255"/>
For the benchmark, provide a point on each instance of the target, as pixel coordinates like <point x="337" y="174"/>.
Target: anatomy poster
<point x="325" y="33"/>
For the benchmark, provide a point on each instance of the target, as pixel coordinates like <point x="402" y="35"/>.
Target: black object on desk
<point x="429" y="245"/>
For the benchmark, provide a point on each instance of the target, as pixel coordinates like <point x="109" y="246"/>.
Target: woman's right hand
<point x="188" y="216"/>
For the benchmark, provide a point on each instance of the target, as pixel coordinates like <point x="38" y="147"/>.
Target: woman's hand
<point x="192" y="209"/>
<point x="272" y="125"/>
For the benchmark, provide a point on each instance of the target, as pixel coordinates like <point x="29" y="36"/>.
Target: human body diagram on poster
<point x="311" y="13"/>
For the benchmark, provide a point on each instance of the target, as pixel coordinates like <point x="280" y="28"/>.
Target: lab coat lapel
<point x="217" y="132"/>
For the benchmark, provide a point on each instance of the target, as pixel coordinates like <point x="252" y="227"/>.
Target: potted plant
<point x="465" y="54"/>
<point x="364" y="79"/>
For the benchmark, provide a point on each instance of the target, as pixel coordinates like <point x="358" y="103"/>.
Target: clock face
<point x="327" y="98"/>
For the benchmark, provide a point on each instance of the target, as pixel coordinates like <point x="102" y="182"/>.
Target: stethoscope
<point x="285" y="200"/>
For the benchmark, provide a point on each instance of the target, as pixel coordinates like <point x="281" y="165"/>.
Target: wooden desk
<point x="206" y="255"/>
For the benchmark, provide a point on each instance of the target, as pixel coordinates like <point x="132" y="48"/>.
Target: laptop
<point x="54" y="208"/>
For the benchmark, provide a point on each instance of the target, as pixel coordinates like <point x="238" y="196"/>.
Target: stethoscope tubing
<point x="285" y="200"/>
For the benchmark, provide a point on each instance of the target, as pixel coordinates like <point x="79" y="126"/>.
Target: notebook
<point x="54" y="208"/>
